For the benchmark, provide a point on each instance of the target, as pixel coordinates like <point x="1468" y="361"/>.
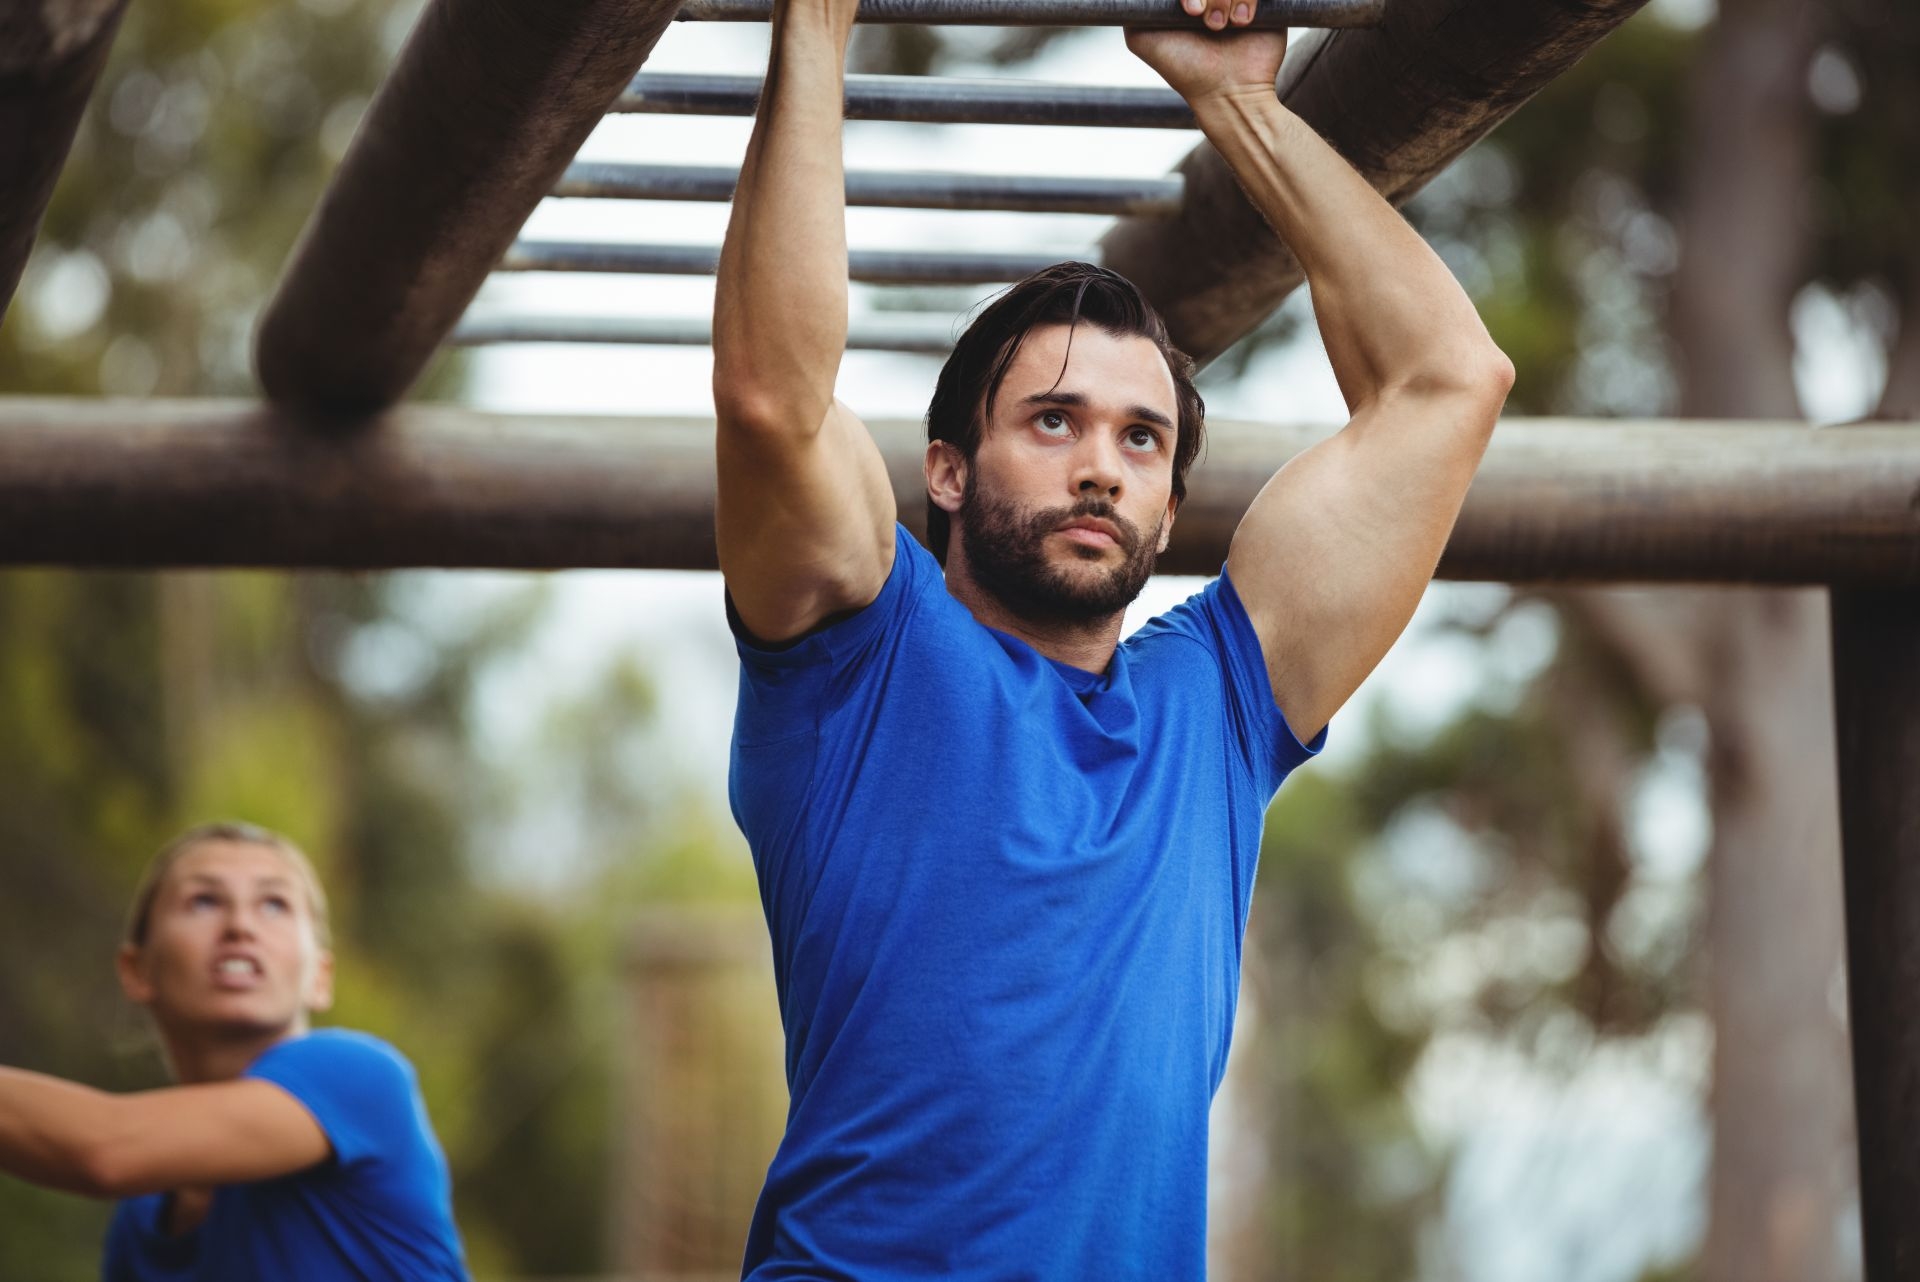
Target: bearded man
<point x="1005" y="858"/>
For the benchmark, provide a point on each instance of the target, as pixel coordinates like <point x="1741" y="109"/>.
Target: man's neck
<point x="1085" y="644"/>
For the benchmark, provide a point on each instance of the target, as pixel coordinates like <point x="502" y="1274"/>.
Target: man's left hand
<point x="1217" y="61"/>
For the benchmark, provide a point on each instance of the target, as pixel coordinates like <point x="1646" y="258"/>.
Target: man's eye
<point x="1053" y="422"/>
<point x="1143" y="438"/>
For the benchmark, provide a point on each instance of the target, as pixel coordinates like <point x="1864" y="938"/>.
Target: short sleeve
<point x="359" y="1089"/>
<point x="1216" y="618"/>
<point x="782" y="687"/>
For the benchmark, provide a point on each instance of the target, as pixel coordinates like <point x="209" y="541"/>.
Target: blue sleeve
<point x="784" y="689"/>
<point x="360" y="1090"/>
<point x="1215" y="618"/>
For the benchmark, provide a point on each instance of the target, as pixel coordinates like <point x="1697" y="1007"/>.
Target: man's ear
<point x="133" y="976"/>
<point x="946" y="469"/>
<point x="1166" y="526"/>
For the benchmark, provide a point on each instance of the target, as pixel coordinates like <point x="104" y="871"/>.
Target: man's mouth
<point x="1091" y="533"/>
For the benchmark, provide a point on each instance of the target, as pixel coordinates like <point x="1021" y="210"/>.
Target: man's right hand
<point x="805" y="512"/>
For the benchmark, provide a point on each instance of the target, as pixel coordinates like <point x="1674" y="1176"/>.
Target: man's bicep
<point x="217" y="1133"/>
<point x="1332" y="557"/>
<point x="805" y="524"/>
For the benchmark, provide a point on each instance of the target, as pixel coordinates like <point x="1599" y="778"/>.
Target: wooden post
<point x="51" y="52"/>
<point x="1876" y="687"/>
<point x="159" y="483"/>
<point x="479" y="117"/>
<point x="1399" y="101"/>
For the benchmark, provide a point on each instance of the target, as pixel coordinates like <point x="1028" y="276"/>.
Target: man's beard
<point x="1006" y="553"/>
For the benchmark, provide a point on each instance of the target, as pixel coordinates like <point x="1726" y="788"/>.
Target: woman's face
<point x="231" y="946"/>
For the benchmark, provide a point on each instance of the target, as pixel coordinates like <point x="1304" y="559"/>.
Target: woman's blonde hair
<point x="140" y="917"/>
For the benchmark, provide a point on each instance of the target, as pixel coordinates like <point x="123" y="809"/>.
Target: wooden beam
<point x="178" y="483"/>
<point x="478" y="118"/>
<point x="1400" y="101"/>
<point x="1876" y="688"/>
<point x="51" y="52"/>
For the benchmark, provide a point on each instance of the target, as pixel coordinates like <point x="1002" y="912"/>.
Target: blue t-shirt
<point x="1006" y="898"/>
<point x="380" y="1208"/>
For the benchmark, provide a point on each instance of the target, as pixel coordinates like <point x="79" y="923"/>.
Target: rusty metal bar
<point x="899" y="189"/>
<point x="904" y="333"/>
<point x="1399" y="101"/>
<point x="1268" y="14"/>
<point x="925" y="100"/>
<point x="1876" y="688"/>
<point x="51" y="52"/>
<point x="872" y="266"/>
<point x="484" y="109"/>
<point x="160" y="483"/>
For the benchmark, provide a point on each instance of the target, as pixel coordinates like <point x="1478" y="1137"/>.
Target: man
<point x="1005" y="860"/>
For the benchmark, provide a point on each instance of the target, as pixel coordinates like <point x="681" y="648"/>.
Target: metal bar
<point x="1268" y="14"/>
<point x="1876" y="687"/>
<point x="158" y="483"/>
<point x="873" y="266"/>
<point x="51" y="52"/>
<point x="1399" y="102"/>
<point x="904" y="333"/>
<point x="1024" y="193"/>
<point x="484" y="109"/>
<point x="925" y="100"/>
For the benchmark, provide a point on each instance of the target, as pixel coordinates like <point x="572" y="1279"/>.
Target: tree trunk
<point x="1781" y="1106"/>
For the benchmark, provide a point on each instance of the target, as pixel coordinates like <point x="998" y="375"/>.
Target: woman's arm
<point x="98" y="1144"/>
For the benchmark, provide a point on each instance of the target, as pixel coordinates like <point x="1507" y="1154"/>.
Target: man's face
<point x="231" y="945"/>
<point x="1069" y="499"/>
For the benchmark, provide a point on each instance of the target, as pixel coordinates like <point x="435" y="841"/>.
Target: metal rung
<point x="1267" y="15"/>
<point x="873" y="266"/>
<point x="904" y="333"/>
<point x="925" y="100"/>
<point x="904" y="190"/>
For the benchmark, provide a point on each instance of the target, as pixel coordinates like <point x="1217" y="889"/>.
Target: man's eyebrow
<point x="1077" y="400"/>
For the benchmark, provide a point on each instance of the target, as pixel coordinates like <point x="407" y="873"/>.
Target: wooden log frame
<point x="225" y="483"/>
<point x="51" y="52"/>
<point x="478" y="118"/>
<point x="1400" y="101"/>
<point x="1876" y="688"/>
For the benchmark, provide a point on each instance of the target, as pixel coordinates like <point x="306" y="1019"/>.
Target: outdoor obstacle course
<point x="480" y="121"/>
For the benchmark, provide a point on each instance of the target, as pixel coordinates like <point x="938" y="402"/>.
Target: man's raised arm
<point x="805" y="509"/>
<point x="1334" y="553"/>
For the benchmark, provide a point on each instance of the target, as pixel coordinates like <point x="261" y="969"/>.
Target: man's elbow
<point x="1474" y="383"/>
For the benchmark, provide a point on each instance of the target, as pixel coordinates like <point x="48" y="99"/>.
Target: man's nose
<point x="1097" y="467"/>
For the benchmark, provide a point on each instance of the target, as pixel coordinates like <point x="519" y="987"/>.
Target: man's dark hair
<point x="1064" y="294"/>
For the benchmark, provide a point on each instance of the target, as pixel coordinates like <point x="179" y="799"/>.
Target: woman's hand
<point x="1216" y="62"/>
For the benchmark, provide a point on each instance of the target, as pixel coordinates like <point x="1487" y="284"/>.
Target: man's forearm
<point x="780" y="310"/>
<point x="1391" y="313"/>
<point x="45" y="1129"/>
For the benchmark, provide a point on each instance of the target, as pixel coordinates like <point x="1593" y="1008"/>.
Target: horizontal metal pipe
<point x="174" y="483"/>
<point x="904" y="333"/>
<point x="1268" y="14"/>
<point x="872" y="266"/>
<point x="481" y="113"/>
<point x="925" y="100"/>
<point x="1024" y="193"/>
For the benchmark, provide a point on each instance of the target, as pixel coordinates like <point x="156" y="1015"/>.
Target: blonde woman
<point x="283" y="1152"/>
